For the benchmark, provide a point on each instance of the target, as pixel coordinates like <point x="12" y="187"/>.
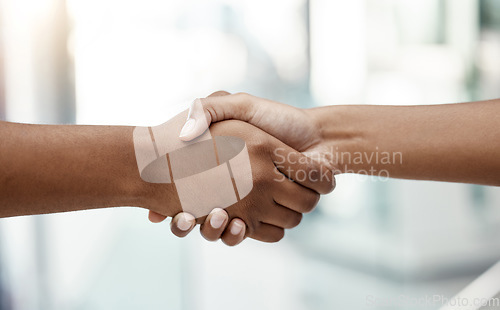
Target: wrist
<point x="158" y="197"/>
<point x="343" y="132"/>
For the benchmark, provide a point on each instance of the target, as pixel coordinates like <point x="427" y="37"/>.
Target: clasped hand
<point x="286" y="182"/>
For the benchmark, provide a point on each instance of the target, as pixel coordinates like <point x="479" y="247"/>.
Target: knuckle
<point x="330" y="183"/>
<point x="230" y="242"/>
<point x="209" y="236"/>
<point x="259" y="143"/>
<point x="311" y="202"/>
<point x="245" y="104"/>
<point x="333" y="184"/>
<point x="250" y="227"/>
<point x="242" y="95"/>
<point x="263" y="182"/>
<point x="314" y="173"/>
<point x="279" y="235"/>
<point x="179" y="233"/>
<point x="205" y="101"/>
<point x="227" y="242"/>
<point x="295" y="220"/>
<point x="220" y="93"/>
<point x="315" y="199"/>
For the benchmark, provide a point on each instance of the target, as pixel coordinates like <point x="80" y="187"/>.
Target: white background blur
<point x="134" y="62"/>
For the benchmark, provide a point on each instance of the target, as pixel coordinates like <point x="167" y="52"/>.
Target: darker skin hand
<point x="276" y="202"/>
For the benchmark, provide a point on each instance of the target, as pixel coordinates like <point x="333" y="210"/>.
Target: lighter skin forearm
<point x="58" y="168"/>
<point x="456" y="143"/>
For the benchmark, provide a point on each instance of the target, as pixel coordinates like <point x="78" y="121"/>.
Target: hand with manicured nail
<point x="333" y="134"/>
<point x="216" y="226"/>
<point x="295" y="127"/>
<point x="279" y="196"/>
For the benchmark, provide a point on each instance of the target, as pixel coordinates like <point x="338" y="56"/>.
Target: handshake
<point x="282" y="144"/>
<point x="242" y="166"/>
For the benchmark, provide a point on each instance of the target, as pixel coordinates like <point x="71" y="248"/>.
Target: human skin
<point x="59" y="168"/>
<point x="448" y="142"/>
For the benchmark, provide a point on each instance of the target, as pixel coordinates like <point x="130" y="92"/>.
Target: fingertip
<point x="331" y="183"/>
<point x="182" y="224"/>
<point x="156" y="217"/>
<point x="217" y="218"/>
<point x="196" y="123"/>
<point x="235" y="232"/>
<point x="237" y="227"/>
<point x="215" y="224"/>
<point x="219" y="93"/>
<point x="186" y="221"/>
<point x="198" y="130"/>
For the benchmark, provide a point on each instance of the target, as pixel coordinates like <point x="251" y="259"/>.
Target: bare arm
<point x="57" y="168"/>
<point x="450" y="142"/>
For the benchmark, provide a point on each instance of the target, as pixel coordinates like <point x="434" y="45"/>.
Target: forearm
<point x="457" y="142"/>
<point x="57" y="168"/>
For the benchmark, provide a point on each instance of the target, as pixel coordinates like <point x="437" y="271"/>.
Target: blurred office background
<point x="134" y="62"/>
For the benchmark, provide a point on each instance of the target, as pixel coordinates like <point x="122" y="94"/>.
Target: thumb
<point x="203" y="112"/>
<point x="196" y="123"/>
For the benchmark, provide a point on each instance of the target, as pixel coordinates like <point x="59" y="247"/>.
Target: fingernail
<point x="236" y="228"/>
<point x="188" y="127"/>
<point x="184" y="222"/>
<point x="217" y="218"/>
